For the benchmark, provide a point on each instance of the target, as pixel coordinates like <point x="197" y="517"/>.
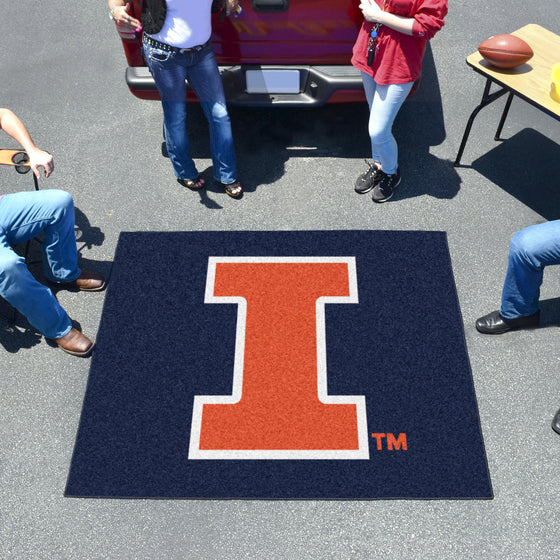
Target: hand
<point x="371" y="11"/>
<point x="39" y="158"/>
<point x="230" y="6"/>
<point x="125" y="20"/>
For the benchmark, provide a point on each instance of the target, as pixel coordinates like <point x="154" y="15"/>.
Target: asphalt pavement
<point x="63" y="74"/>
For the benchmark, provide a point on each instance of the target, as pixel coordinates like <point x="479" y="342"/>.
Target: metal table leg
<point x="504" y="116"/>
<point x="487" y="98"/>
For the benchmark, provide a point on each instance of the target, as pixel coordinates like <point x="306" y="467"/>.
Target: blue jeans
<point x="23" y="216"/>
<point x="384" y="104"/>
<point x="170" y="70"/>
<point x="530" y="251"/>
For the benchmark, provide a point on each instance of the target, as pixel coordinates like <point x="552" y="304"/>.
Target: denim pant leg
<point x="169" y="72"/>
<point x="25" y="215"/>
<point x="205" y="80"/>
<point x="22" y="217"/>
<point x="177" y="140"/>
<point x="384" y="102"/>
<point x="531" y="250"/>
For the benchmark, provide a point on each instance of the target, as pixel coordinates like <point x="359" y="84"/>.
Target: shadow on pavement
<point x="265" y="138"/>
<point x="14" y="337"/>
<point x="527" y="166"/>
<point x="550" y="312"/>
<point x="420" y="125"/>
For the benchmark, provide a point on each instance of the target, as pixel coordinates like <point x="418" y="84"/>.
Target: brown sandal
<point x="235" y="190"/>
<point x="193" y="184"/>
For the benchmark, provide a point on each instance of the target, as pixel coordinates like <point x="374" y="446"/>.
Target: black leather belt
<point x="170" y="48"/>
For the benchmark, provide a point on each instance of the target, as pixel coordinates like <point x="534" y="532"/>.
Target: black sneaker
<point x="386" y="186"/>
<point x="366" y="181"/>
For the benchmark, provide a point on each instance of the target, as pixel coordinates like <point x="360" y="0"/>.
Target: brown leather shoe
<point x="75" y="343"/>
<point x="88" y="281"/>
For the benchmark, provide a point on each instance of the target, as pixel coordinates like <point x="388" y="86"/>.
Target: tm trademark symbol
<point x="392" y="442"/>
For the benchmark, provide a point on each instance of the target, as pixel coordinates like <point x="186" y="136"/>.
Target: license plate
<point x="272" y="81"/>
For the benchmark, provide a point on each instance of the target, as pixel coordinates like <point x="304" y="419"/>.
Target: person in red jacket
<point x="389" y="51"/>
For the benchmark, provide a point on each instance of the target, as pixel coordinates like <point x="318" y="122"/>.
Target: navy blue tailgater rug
<point x="280" y="365"/>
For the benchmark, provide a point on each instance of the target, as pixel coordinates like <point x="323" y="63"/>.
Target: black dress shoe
<point x="556" y="422"/>
<point x="494" y="323"/>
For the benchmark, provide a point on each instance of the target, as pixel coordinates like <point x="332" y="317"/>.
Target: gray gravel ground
<point x="63" y="74"/>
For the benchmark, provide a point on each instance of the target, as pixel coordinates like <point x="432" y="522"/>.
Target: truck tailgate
<point x="288" y="32"/>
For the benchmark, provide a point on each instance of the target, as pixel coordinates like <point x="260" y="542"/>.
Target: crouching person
<point x="23" y="216"/>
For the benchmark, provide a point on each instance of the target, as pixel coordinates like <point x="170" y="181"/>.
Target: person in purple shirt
<point x="23" y="216"/>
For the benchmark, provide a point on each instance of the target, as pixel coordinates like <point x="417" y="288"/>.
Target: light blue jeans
<point x="384" y="104"/>
<point x="530" y="251"/>
<point x="170" y="70"/>
<point x="23" y="216"/>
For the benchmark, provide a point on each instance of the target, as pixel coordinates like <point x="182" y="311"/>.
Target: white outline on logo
<point x="358" y="400"/>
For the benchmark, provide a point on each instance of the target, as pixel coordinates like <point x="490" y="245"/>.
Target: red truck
<point x="277" y="52"/>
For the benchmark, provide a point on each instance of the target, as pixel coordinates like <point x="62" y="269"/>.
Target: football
<point x="505" y="51"/>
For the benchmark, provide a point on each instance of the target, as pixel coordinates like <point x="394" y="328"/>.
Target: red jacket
<point x="398" y="57"/>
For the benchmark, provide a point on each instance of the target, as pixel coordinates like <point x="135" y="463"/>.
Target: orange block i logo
<point x="280" y="407"/>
